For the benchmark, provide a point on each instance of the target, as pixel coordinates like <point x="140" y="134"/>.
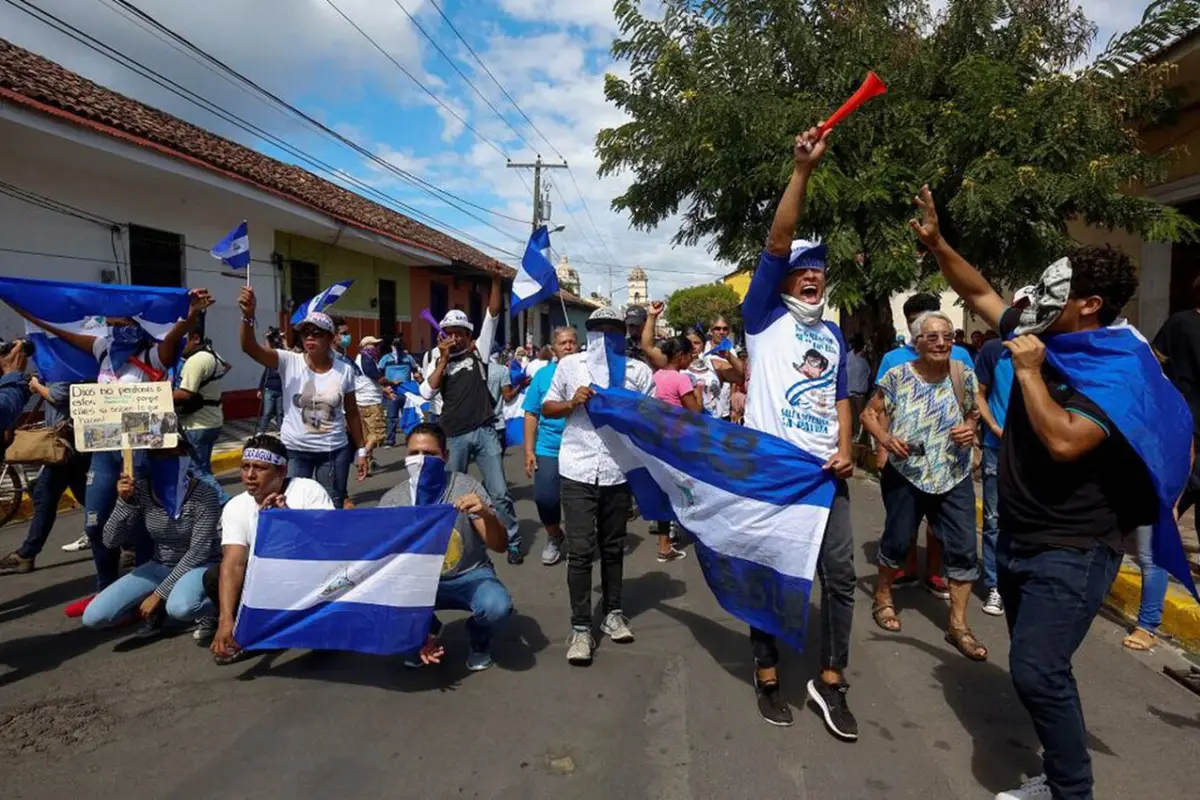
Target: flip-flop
<point x="1137" y="644"/>
<point x="881" y="621"/>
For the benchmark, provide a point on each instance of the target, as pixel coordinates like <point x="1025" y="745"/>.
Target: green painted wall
<point x="339" y="264"/>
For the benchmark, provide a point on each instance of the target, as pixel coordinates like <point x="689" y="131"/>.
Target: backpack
<point x="195" y="400"/>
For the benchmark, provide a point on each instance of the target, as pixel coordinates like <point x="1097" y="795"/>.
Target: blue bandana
<point x="124" y="342"/>
<point x="169" y="479"/>
<point x="426" y="478"/>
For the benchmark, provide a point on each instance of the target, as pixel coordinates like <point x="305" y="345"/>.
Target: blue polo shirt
<point x="550" y="431"/>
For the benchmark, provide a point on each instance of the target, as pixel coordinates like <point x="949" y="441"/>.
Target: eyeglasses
<point x="934" y="338"/>
<point x="718" y="328"/>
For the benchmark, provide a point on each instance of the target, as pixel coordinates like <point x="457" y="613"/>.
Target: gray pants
<point x="835" y="569"/>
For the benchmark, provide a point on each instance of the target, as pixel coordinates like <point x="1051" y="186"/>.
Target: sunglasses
<point x="934" y="338"/>
<point x="718" y="328"/>
<point x="313" y="333"/>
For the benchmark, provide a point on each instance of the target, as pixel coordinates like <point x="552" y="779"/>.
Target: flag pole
<point x="249" y="259"/>
<point x="566" y="319"/>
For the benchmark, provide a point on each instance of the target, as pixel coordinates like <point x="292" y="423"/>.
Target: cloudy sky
<point x="550" y="55"/>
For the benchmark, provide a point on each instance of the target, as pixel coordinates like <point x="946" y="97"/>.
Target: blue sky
<point x="551" y="56"/>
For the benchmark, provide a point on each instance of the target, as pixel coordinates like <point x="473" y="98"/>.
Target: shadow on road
<point x="47" y="597"/>
<point x="515" y="648"/>
<point x="1174" y="720"/>
<point x="34" y="654"/>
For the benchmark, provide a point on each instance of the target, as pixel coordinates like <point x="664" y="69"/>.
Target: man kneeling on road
<point x="468" y="581"/>
<point x="264" y="474"/>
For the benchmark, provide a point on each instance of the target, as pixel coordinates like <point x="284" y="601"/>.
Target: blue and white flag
<point x="81" y="308"/>
<point x="415" y="407"/>
<point x="318" y="303"/>
<point x="756" y="504"/>
<point x="234" y="249"/>
<point x="1107" y="365"/>
<point x="169" y="479"/>
<point x="362" y="579"/>
<point x="723" y="346"/>
<point x="536" y="280"/>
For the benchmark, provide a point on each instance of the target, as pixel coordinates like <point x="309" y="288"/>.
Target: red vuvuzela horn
<point x="871" y="87"/>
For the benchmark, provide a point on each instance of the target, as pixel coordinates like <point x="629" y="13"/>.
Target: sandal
<point x="966" y="643"/>
<point x="882" y="621"/>
<point x="1140" y="640"/>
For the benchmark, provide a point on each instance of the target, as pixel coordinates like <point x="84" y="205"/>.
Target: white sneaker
<point x="81" y="543"/>
<point x="1033" y="789"/>
<point x="994" y="605"/>
<point x="616" y="627"/>
<point x="579" y="647"/>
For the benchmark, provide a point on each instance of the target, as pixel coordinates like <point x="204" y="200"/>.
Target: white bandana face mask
<point x="802" y="312"/>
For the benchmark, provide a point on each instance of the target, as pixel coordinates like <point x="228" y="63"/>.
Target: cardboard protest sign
<point x="120" y="416"/>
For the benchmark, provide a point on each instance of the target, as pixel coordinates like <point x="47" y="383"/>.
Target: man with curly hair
<point x="1072" y="488"/>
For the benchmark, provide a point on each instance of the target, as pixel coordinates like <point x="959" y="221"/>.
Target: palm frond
<point x="1164" y="22"/>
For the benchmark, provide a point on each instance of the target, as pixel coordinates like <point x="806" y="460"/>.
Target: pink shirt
<point x="670" y="385"/>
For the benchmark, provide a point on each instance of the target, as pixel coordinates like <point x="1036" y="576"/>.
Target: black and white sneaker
<point x="831" y="700"/>
<point x="771" y="705"/>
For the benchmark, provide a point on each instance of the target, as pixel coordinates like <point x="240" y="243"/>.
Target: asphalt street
<point x="670" y="716"/>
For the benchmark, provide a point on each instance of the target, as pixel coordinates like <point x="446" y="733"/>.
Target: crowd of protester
<point x="1061" y="488"/>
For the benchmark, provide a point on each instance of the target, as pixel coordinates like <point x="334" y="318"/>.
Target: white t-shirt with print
<point x="128" y="372"/>
<point x="314" y="403"/>
<point x="797" y="371"/>
<point x="239" y="517"/>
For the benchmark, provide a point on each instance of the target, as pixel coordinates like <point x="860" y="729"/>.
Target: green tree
<point x="703" y="304"/>
<point x="985" y="104"/>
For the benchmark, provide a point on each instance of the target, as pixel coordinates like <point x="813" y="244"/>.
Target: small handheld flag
<point x="535" y="280"/>
<point x="871" y="87"/>
<point x="319" y="303"/>
<point x="234" y="249"/>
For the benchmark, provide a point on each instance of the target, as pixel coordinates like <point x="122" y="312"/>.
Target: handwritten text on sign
<point x="115" y="416"/>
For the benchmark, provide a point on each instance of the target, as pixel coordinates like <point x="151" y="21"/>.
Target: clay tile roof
<point x="32" y="81"/>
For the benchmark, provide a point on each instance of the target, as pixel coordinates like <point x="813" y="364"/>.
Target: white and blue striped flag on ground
<point x="362" y="579"/>
<point x="234" y="249"/>
<point x="756" y="504"/>
<point x="318" y="303"/>
<point x="535" y="280"/>
<point x="81" y="308"/>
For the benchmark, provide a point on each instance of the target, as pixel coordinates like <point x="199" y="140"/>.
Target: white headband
<point x="265" y="456"/>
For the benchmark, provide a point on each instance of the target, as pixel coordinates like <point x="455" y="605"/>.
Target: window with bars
<point x="155" y="257"/>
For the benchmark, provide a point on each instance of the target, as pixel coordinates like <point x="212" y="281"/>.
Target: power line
<point x="175" y="88"/>
<point x="430" y="188"/>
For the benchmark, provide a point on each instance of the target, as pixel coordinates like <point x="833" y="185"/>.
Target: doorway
<point x="387" y="310"/>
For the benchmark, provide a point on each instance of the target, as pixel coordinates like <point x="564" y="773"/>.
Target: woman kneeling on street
<point x="180" y="514"/>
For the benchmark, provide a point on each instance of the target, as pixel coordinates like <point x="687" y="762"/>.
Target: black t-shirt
<point x="1102" y="496"/>
<point x="466" y="402"/>
<point x="1179" y="342"/>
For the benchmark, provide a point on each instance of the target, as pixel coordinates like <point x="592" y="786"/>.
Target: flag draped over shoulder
<point x="1118" y="371"/>
<point x="535" y="280"/>
<point x="362" y="579"/>
<point x="326" y="298"/>
<point x="756" y="504"/>
<point x="76" y="307"/>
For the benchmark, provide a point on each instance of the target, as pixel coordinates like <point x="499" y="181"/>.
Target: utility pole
<point x="537" y="167"/>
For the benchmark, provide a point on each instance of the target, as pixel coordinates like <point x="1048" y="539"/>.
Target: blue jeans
<point x="1051" y="596"/>
<point x="480" y="592"/>
<point x="952" y="515"/>
<point x="483" y="445"/>
<point x="99" y="499"/>
<point x="1154" y="582"/>
<point x="202" y="441"/>
<point x="331" y="469"/>
<point x="547" y="490"/>
<point x="272" y="410"/>
<point x="991" y="513"/>
<point x="394" y="408"/>
<point x="186" y="602"/>
<point x="54" y="480"/>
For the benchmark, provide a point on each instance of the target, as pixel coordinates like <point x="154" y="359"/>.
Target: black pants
<point x="835" y="570"/>
<point x="212" y="585"/>
<point x="595" y="518"/>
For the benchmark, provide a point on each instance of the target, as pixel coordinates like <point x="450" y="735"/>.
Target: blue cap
<point x="807" y="255"/>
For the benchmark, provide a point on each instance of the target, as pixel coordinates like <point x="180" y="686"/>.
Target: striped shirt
<point x="184" y="544"/>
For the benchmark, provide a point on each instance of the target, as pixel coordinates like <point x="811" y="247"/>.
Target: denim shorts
<point x="952" y="515"/>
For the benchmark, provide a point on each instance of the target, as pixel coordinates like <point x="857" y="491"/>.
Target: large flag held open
<point x="362" y="579"/>
<point x="80" y="308"/>
<point x="1106" y="364"/>
<point x="756" y="504"/>
<point x="318" y="303"/>
<point x="535" y="280"/>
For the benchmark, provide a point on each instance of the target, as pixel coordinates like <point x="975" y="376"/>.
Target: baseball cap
<point x="456" y="319"/>
<point x="636" y="315"/>
<point x="1024" y="293"/>
<point x="370" y="340"/>
<point x="319" y="320"/>
<point x="807" y="255"/>
<point x="603" y="317"/>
